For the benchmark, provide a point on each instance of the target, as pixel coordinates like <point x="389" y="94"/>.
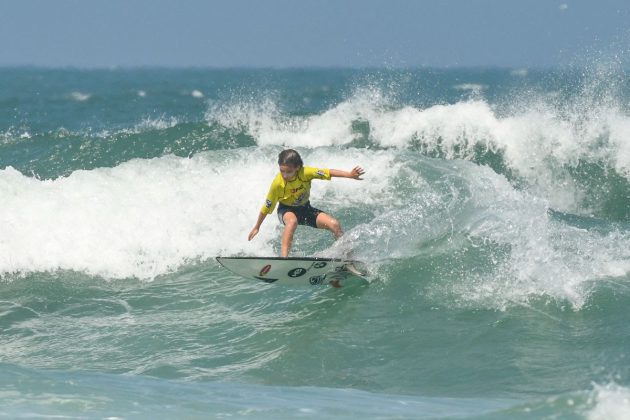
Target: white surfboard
<point x="301" y="272"/>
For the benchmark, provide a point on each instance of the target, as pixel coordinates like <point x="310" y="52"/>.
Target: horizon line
<point x="281" y="68"/>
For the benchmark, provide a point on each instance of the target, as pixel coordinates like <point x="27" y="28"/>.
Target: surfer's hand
<point x="356" y="173"/>
<point x="253" y="233"/>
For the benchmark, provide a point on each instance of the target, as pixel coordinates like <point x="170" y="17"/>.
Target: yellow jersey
<point x="295" y="192"/>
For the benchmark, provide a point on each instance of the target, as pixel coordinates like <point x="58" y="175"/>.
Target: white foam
<point x="146" y="124"/>
<point x="415" y="214"/>
<point x="541" y="256"/>
<point x="147" y="217"/>
<point x="525" y="251"/>
<point x="538" y="139"/>
<point x="11" y="135"/>
<point x="80" y="96"/>
<point x="264" y="121"/>
<point x="610" y="402"/>
<point x="161" y="123"/>
<point x="474" y="88"/>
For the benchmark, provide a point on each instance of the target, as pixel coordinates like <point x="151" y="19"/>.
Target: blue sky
<point x="305" y="33"/>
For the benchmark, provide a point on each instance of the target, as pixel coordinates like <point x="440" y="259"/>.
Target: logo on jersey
<point x="268" y="203"/>
<point x="321" y="173"/>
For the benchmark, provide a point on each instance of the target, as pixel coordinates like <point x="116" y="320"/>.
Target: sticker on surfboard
<point x="302" y="272"/>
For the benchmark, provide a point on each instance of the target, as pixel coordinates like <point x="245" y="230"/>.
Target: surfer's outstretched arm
<point x="254" y="231"/>
<point x="355" y="173"/>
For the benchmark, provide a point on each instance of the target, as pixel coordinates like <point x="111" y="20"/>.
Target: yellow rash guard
<point x="293" y="193"/>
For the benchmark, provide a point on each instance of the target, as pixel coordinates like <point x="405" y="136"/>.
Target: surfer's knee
<point x="335" y="227"/>
<point x="290" y="221"/>
<point x="330" y="223"/>
<point x="338" y="232"/>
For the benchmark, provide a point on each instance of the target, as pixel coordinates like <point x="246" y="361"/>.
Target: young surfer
<point x="291" y="188"/>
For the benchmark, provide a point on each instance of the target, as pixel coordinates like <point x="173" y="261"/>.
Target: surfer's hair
<point x="290" y="157"/>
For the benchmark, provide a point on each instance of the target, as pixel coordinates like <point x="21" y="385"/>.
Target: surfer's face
<point x="288" y="172"/>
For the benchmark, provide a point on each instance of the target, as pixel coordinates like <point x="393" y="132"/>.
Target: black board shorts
<point x="306" y="214"/>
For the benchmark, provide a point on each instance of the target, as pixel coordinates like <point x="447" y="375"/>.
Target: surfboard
<point x="301" y="272"/>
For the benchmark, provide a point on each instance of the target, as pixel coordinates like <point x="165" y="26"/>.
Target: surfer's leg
<point x="290" y="224"/>
<point x="326" y="221"/>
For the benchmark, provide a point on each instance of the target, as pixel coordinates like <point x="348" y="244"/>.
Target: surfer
<point x="291" y="188"/>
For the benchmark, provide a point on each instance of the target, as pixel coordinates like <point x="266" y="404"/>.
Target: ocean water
<point x="494" y="218"/>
